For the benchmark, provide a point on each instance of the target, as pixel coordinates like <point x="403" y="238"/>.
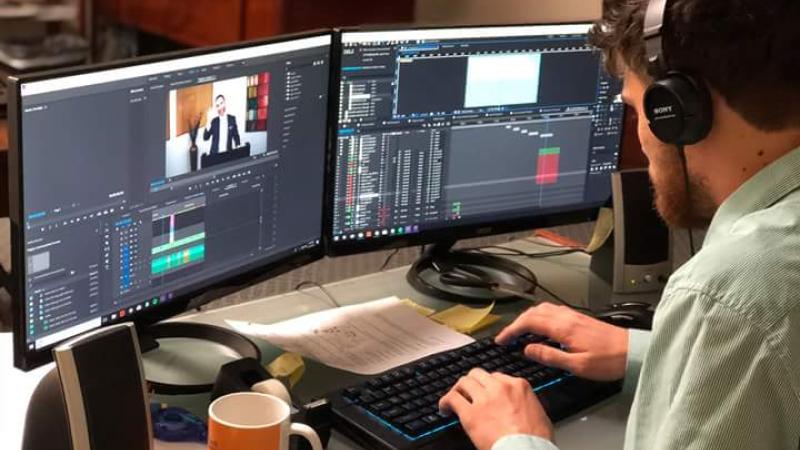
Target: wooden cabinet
<point x="211" y="22"/>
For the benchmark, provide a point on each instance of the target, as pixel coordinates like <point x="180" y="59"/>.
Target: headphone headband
<point x="654" y="19"/>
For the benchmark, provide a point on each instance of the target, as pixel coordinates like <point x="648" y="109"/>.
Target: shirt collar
<point x="762" y="190"/>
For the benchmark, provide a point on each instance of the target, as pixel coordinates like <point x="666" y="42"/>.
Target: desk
<point x="600" y="427"/>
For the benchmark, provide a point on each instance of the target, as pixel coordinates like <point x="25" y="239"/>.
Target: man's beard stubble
<point x="678" y="209"/>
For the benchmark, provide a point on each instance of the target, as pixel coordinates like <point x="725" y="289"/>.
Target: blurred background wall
<point x="506" y="11"/>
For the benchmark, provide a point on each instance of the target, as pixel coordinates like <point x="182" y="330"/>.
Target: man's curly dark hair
<point x="748" y="51"/>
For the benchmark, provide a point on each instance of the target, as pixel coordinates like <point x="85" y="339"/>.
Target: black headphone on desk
<point x="677" y="105"/>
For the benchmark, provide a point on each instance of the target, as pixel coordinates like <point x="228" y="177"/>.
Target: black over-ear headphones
<point x="677" y="105"/>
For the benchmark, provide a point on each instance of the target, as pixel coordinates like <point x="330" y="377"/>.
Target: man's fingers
<point x="551" y="357"/>
<point x="481" y="376"/>
<point x="536" y="320"/>
<point x="454" y="402"/>
<point x="470" y="388"/>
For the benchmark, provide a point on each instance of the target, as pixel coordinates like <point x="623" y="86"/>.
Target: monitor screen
<point x="455" y="132"/>
<point x="145" y="183"/>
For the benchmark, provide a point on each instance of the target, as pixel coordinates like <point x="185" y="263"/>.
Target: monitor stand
<point x="424" y="275"/>
<point x="211" y="339"/>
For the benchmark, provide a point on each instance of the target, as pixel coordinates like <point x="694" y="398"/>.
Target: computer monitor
<point x="139" y="186"/>
<point x="449" y="133"/>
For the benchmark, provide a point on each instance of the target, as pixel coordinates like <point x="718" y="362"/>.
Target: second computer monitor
<point x="446" y="133"/>
<point x="138" y="186"/>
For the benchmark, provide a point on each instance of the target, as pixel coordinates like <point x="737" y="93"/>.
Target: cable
<point x="302" y="284"/>
<point x="545" y="244"/>
<point x="473" y="277"/>
<point x="682" y="155"/>
<point x="536" y="283"/>
<point x="508" y="251"/>
<point x="388" y="259"/>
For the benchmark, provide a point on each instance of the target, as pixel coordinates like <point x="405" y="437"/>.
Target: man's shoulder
<point x="754" y="268"/>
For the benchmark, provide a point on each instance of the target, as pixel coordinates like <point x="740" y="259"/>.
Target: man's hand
<point x="594" y="349"/>
<point x="210" y="115"/>
<point x="491" y="406"/>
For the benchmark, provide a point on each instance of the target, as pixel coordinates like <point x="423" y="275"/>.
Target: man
<point x="721" y="369"/>
<point x="229" y="133"/>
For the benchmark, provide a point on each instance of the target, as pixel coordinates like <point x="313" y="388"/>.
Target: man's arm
<point x="638" y="343"/>
<point x="235" y="131"/>
<point x="523" y="442"/>
<point x="208" y="131"/>
<point x="715" y="380"/>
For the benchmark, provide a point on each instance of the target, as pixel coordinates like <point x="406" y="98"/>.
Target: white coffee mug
<point x="254" y="421"/>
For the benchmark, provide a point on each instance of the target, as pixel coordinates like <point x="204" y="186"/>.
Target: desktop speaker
<point x="637" y="257"/>
<point x="95" y="398"/>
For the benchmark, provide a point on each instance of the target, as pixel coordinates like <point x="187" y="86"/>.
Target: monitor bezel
<point x="202" y="293"/>
<point x="444" y="234"/>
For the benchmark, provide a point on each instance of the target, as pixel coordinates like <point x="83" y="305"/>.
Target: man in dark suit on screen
<point x="228" y="133"/>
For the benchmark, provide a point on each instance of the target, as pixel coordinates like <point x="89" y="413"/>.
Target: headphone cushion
<point x="678" y="109"/>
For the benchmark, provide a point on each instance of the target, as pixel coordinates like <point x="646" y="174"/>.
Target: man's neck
<point x="735" y="151"/>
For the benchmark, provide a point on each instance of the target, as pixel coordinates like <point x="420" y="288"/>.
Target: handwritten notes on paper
<point x="367" y="339"/>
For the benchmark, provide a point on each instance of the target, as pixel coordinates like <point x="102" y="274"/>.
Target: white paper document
<point x="366" y="339"/>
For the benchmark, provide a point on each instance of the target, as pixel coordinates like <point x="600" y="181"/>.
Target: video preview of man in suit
<point x="228" y="134"/>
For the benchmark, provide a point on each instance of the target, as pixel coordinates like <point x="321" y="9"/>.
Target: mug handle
<point x="307" y="432"/>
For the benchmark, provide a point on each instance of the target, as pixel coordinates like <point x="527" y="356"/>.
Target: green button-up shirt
<point x="721" y="369"/>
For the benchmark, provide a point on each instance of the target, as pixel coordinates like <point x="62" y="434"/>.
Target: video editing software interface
<point x="446" y="127"/>
<point x="146" y="182"/>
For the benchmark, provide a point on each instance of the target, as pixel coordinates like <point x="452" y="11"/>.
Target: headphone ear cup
<point x="678" y="109"/>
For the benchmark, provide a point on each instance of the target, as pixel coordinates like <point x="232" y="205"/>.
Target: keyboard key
<point x="407" y="418"/>
<point x="416" y="426"/>
<point x="366" y="398"/>
<point x="409" y="406"/>
<point x="352" y="393"/>
<point x="389" y="390"/>
<point x="431" y="419"/>
<point x="380" y="406"/>
<point x="392" y="413"/>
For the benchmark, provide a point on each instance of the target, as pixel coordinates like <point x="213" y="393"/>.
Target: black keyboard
<point x="399" y="409"/>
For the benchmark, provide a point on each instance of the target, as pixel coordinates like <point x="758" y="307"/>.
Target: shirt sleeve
<point x="523" y="442"/>
<point x="638" y="343"/>
<point x="713" y="381"/>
